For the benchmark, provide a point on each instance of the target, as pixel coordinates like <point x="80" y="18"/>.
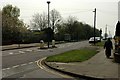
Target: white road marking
<point x="18" y="66"/>
<point x="62" y="46"/>
<point x="3" y="69"/>
<point x="29" y="50"/>
<point x="15" y="66"/>
<point x="23" y="64"/>
<point x="7" y="68"/>
<point x="30" y="62"/>
<point x="40" y="50"/>
<point x="11" y="53"/>
<point x="21" y="52"/>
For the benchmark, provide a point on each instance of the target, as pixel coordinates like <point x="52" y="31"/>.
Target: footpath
<point x="16" y="46"/>
<point x="98" y="67"/>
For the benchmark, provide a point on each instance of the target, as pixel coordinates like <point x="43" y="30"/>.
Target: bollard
<point x="41" y="44"/>
<point x="53" y="43"/>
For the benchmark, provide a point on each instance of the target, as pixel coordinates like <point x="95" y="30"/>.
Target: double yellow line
<point x="39" y="64"/>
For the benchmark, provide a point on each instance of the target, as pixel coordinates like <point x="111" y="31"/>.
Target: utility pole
<point x="106" y="29"/>
<point x="106" y="32"/>
<point x="100" y="33"/>
<point x="94" y="24"/>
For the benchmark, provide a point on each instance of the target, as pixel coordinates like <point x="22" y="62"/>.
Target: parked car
<point x="97" y="39"/>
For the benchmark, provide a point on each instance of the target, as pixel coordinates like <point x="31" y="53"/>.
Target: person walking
<point x="108" y="46"/>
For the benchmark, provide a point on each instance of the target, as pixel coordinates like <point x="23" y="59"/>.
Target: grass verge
<point x="73" y="56"/>
<point x="101" y="44"/>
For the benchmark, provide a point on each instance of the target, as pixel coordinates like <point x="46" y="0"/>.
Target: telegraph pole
<point x="100" y="33"/>
<point x="94" y="24"/>
<point x="106" y="32"/>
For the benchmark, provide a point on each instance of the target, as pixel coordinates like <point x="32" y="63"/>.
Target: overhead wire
<point x="76" y="12"/>
<point x="107" y="12"/>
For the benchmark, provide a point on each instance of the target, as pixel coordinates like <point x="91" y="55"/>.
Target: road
<point x="22" y="63"/>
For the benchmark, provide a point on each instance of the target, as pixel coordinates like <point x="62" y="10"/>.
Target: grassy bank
<point x="78" y="55"/>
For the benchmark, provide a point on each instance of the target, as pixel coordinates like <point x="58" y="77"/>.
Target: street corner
<point x="54" y="65"/>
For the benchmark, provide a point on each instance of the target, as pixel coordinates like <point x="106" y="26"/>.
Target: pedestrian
<point x="108" y="46"/>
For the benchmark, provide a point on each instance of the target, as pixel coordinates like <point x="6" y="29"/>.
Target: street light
<point x="54" y="23"/>
<point x="48" y="2"/>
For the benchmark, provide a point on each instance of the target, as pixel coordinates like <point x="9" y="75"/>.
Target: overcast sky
<point x="107" y="10"/>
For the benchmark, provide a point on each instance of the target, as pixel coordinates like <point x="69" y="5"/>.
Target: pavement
<point x="98" y="67"/>
<point x="16" y="46"/>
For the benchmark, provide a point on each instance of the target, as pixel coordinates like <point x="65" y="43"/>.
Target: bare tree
<point x="71" y="19"/>
<point x="39" y="21"/>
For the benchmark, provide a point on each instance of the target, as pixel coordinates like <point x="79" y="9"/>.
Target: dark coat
<point x="108" y="46"/>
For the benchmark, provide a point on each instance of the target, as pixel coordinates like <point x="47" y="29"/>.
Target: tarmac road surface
<point x="22" y="63"/>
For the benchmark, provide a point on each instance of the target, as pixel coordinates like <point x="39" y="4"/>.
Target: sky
<point x="106" y="10"/>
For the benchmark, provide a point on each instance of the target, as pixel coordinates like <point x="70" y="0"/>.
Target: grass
<point x="101" y="44"/>
<point x="73" y="56"/>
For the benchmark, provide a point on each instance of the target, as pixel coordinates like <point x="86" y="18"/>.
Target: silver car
<point x="97" y="39"/>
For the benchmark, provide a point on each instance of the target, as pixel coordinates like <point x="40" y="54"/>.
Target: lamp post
<point x="48" y="2"/>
